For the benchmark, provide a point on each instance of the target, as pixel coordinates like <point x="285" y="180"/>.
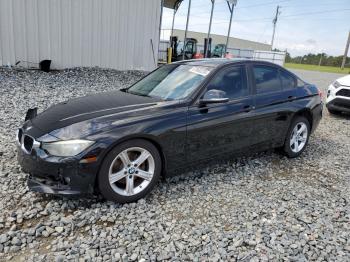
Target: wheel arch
<point x="148" y="138"/>
<point x="305" y="113"/>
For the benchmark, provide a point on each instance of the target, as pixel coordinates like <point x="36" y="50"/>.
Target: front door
<point x="218" y="129"/>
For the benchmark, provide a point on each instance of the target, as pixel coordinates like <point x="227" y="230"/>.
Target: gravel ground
<point x="264" y="207"/>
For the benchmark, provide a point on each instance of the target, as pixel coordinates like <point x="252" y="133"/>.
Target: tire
<point x="124" y="176"/>
<point x="294" y="144"/>
<point x="334" y="112"/>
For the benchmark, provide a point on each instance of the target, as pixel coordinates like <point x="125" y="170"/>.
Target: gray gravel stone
<point x="3" y="238"/>
<point x="16" y="242"/>
<point x="59" y="229"/>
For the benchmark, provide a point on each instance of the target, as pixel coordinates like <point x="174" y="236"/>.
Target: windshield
<point x="179" y="47"/>
<point x="171" y="82"/>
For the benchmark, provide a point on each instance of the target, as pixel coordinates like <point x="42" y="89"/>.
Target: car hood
<point x="97" y="110"/>
<point x="344" y="81"/>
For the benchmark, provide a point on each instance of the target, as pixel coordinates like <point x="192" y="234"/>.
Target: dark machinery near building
<point x="178" y="49"/>
<point x="219" y="50"/>
<point x="207" y="47"/>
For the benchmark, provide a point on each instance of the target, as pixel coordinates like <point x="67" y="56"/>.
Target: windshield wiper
<point x="125" y="90"/>
<point x="137" y="94"/>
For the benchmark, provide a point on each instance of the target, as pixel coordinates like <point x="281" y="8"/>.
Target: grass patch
<point x="329" y="69"/>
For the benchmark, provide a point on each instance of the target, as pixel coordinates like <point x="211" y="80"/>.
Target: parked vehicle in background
<point x="178" y="49"/>
<point x="180" y="115"/>
<point x="338" y="96"/>
<point x="219" y="50"/>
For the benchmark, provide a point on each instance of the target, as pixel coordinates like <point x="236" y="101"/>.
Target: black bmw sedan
<point x="180" y="115"/>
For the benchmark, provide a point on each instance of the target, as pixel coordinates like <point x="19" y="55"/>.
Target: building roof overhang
<point x="172" y="4"/>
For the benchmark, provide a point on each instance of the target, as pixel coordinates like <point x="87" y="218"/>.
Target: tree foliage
<point x="316" y="59"/>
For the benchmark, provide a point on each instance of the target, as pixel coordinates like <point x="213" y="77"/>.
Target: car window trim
<point x="254" y="82"/>
<point x="205" y="84"/>
<point x="236" y="101"/>
<point x="291" y="75"/>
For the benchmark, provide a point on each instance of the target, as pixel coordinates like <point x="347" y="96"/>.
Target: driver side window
<point x="230" y="83"/>
<point x="189" y="47"/>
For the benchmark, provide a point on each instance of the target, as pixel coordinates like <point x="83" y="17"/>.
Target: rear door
<point x="217" y="129"/>
<point x="271" y="104"/>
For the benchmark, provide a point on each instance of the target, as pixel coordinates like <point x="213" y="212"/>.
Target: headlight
<point x="336" y="84"/>
<point x="66" y="148"/>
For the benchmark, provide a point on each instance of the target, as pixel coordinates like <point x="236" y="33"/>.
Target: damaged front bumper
<point x="56" y="175"/>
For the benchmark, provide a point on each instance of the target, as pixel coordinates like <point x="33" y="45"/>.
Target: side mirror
<point x="213" y="96"/>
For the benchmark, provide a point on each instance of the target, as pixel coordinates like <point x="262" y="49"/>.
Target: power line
<point x="263" y="4"/>
<point x="241" y="7"/>
<point x="282" y="16"/>
<point x="312" y="5"/>
<point x="263" y="33"/>
<point x="318" y="12"/>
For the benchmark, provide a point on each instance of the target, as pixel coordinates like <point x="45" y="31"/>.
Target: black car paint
<point x="185" y="132"/>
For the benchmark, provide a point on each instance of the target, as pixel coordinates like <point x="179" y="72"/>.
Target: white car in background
<point x="338" y="96"/>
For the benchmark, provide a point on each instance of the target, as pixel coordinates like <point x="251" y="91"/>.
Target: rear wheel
<point x="297" y="137"/>
<point x="130" y="171"/>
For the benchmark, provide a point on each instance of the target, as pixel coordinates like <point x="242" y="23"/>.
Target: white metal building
<point x="120" y="34"/>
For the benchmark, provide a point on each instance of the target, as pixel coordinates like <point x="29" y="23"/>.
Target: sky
<point x="304" y="26"/>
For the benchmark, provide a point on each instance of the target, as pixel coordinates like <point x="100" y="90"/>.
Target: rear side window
<point x="288" y="81"/>
<point x="266" y="79"/>
<point x="232" y="81"/>
<point x="300" y="83"/>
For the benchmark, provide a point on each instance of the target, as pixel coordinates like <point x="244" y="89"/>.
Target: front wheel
<point x="297" y="137"/>
<point x="130" y="171"/>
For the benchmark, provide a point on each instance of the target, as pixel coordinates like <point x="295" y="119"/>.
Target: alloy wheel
<point x="298" y="137"/>
<point x="131" y="171"/>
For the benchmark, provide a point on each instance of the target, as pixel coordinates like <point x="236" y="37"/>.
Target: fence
<point x="270" y="56"/>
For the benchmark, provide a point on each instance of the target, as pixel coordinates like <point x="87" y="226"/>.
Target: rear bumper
<point x="56" y="175"/>
<point x="339" y="104"/>
<point x="317" y="113"/>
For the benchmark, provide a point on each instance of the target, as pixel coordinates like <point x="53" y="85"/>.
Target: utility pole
<point x="274" y="21"/>
<point x="172" y="24"/>
<point x="160" y="28"/>
<point x="346" y="52"/>
<point x="231" y="5"/>
<point x="320" y="62"/>
<point x="211" y="18"/>
<point x="185" y="38"/>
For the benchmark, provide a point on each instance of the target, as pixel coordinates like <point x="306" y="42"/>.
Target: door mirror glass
<point x="214" y="96"/>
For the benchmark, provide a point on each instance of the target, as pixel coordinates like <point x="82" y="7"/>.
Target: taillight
<point x="320" y="93"/>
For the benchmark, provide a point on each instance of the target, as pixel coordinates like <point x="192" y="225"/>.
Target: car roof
<point x="215" y="62"/>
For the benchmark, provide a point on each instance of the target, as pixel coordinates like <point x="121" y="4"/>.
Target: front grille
<point x="343" y="92"/>
<point x="28" y="143"/>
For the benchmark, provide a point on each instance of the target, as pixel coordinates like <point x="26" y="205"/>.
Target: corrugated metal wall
<point x="105" y="33"/>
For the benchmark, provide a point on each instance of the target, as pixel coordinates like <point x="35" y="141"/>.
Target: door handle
<point x="248" y="108"/>
<point x="291" y="98"/>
